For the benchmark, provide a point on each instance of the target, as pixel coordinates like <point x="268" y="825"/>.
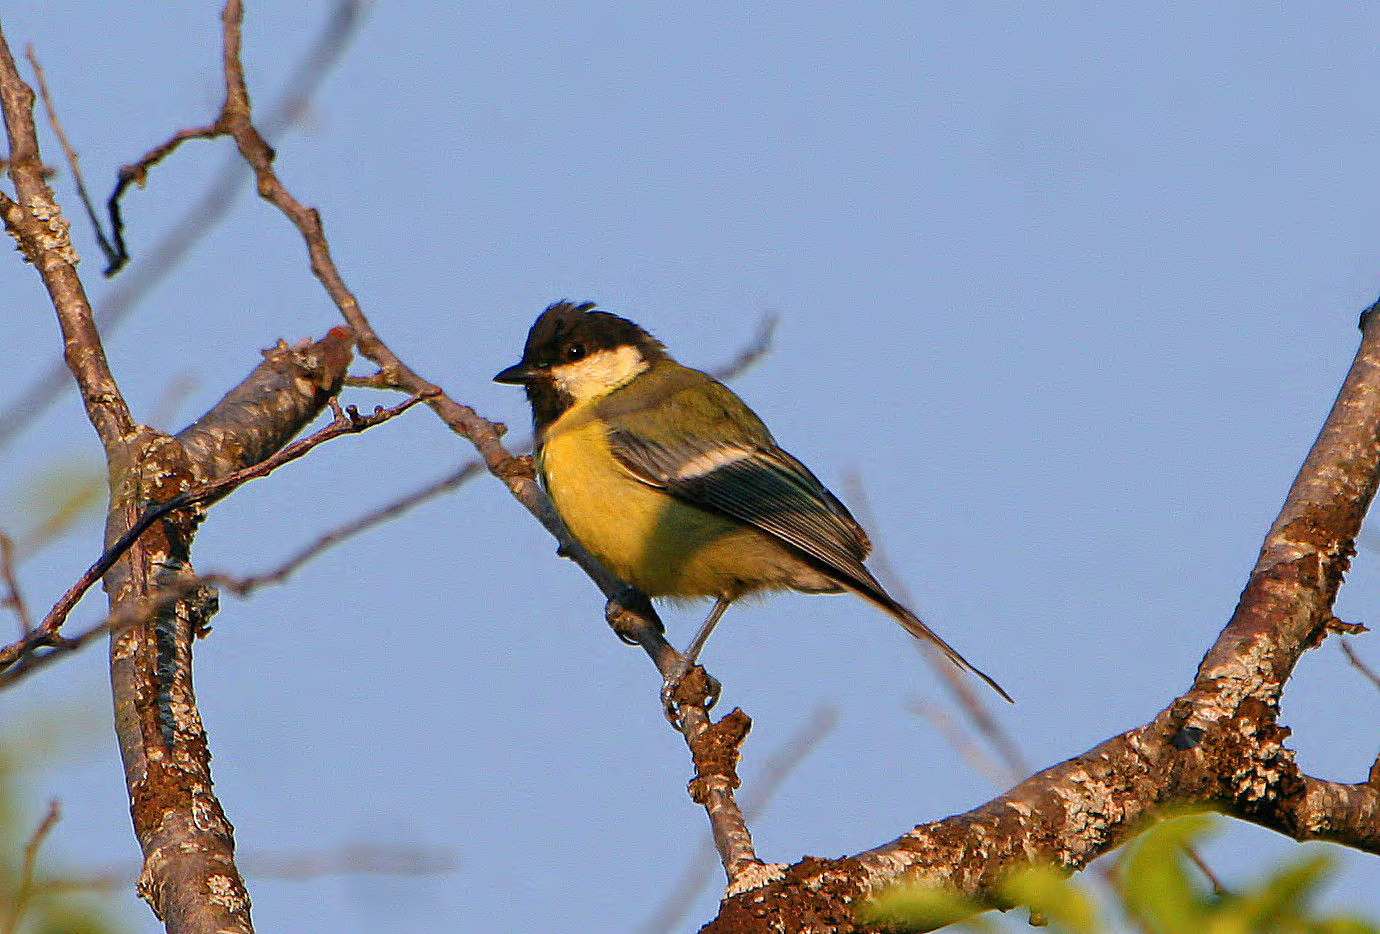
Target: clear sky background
<point x="1072" y="287"/>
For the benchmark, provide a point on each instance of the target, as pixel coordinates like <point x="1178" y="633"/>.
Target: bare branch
<point x="346" y="422"/>
<point x="1359" y="665"/>
<point x="32" y="656"/>
<point x="714" y="745"/>
<point x="247" y="584"/>
<point x="71" y="153"/>
<point x="978" y="759"/>
<point x="716" y="748"/>
<point x="1196" y="858"/>
<point x="14" y="597"/>
<point x="137" y="172"/>
<point x="756" y="349"/>
<point x="36" y="222"/>
<point x="1220" y="745"/>
<point x="960" y="687"/>
<point x="188" y="843"/>
<point x="352" y="859"/>
<point x="775" y="770"/>
<point x="339" y="26"/>
<point x="201" y="218"/>
<point x="270" y="406"/>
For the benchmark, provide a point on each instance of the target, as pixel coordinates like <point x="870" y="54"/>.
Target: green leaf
<point x="1065" y="905"/>
<point x="922" y="907"/>
<point x="1157" y="883"/>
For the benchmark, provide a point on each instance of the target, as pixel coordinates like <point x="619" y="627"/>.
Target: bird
<point x="674" y="484"/>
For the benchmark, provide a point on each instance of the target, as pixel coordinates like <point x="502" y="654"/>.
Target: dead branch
<point x="365" y="859"/>
<point x="73" y="162"/>
<point x="35" y="221"/>
<point x="187" y="841"/>
<point x="339" y="27"/>
<point x="242" y="586"/>
<point x="775" y="770"/>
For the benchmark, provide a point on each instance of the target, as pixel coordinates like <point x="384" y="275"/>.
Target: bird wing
<point x="741" y="472"/>
<point x="755" y="483"/>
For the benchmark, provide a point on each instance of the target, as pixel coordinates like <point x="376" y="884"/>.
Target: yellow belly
<point x="661" y="545"/>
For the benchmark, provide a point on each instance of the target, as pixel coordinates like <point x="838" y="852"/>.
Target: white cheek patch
<point x="598" y="374"/>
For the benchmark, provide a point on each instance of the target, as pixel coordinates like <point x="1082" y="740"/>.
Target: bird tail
<point x="873" y="592"/>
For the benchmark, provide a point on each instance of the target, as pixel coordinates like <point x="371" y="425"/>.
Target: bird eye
<point x="575" y="351"/>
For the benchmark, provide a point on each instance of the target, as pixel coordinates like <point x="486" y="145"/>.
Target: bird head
<point x="575" y="354"/>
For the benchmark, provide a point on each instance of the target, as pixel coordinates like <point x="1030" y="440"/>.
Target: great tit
<point x="674" y="484"/>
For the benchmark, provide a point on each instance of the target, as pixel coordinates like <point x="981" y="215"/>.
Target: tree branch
<point x="47" y="635"/>
<point x="73" y="162"/>
<point x="1220" y="745"/>
<point x="36" y="223"/>
<point x="714" y="746"/>
<point x="14" y="597"/>
<point x="162" y="742"/>
<point x="188" y="843"/>
<point x="200" y="218"/>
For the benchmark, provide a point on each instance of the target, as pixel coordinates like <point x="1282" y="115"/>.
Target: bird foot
<point x="688" y="684"/>
<point x="631" y="615"/>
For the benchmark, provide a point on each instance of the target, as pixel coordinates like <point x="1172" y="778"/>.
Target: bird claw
<point x="688" y="683"/>
<point x="631" y="615"/>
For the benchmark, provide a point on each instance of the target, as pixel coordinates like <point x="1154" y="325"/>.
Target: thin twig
<point x="15" y="916"/>
<point x="352" y="859"/>
<point x="958" y="685"/>
<point x="1357" y="663"/>
<point x="137" y="172"/>
<point x="775" y="770"/>
<point x="347" y="421"/>
<point x="36" y="222"/>
<point x="1196" y="858"/>
<point x="714" y="745"/>
<point x="977" y="758"/>
<point x="200" y="219"/>
<point x="70" y="152"/>
<point x="82" y="493"/>
<point x="32" y="656"/>
<point x="14" y="597"/>
<point x="242" y="586"/>
<point x="756" y="349"/>
<point x="339" y="26"/>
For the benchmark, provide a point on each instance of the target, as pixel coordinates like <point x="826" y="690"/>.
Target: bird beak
<point x="517" y="375"/>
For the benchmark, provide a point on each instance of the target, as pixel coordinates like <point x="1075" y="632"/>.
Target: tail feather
<point x="872" y="591"/>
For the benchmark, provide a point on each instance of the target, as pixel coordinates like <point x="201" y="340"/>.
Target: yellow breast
<point x="659" y="544"/>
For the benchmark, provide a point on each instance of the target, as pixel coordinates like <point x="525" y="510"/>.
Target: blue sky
<point x="1070" y="287"/>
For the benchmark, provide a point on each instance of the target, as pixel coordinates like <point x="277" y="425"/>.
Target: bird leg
<point x="686" y="663"/>
<point x="692" y="651"/>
